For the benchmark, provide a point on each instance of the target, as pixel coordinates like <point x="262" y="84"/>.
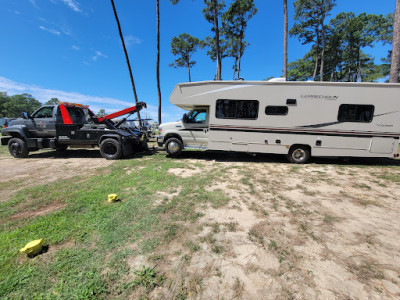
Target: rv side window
<point x="236" y="109"/>
<point x="355" y="113"/>
<point x="276" y="110"/>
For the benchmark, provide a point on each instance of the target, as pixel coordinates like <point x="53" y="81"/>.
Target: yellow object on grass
<point x="33" y="247"/>
<point x="112" y="197"/>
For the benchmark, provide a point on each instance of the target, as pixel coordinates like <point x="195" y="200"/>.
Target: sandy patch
<point x="185" y="172"/>
<point x="296" y="232"/>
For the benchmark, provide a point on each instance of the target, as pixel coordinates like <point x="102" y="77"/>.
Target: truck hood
<point x="171" y="125"/>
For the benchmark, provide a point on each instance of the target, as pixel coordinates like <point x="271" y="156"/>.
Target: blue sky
<point x="70" y="49"/>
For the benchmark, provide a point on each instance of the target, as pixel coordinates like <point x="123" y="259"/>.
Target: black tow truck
<point x="73" y="125"/>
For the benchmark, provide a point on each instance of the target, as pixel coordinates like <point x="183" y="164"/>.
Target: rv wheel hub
<point x="173" y="146"/>
<point x="299" y="154"/>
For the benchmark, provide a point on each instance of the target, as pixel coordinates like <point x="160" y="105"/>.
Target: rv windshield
<point x="197" y="116"/>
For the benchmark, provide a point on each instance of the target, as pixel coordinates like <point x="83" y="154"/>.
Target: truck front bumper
<point x="160" y="141"/>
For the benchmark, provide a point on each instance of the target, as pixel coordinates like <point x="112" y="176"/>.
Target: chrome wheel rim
<point x="299" y="154"/>
<point x="173" y="147"/>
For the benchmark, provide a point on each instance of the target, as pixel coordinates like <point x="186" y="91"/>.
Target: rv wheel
<point x="110" y="149"/>
<point x="299" y="155"/>
<point x="173" y="146"/>
<point x="18" y="148"/>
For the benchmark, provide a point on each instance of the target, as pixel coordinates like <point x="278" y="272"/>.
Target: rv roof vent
<point x="291" y="101"/>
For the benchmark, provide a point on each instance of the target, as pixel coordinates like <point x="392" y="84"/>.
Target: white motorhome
<point x="299" y="119"/>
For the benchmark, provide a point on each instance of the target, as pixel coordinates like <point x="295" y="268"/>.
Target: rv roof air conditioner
<point x="277" y="79"/>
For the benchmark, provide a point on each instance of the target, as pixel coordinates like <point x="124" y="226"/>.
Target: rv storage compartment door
<point x="382" y="145"/>
<point x="239" y="147"/>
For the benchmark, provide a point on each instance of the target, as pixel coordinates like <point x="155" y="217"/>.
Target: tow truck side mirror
<point x="25" y="115"/>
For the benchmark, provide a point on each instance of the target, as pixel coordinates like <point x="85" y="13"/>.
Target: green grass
<point x="89" y="238"/>
<point x="4" y="150"/>
<point x="390" y="177"/>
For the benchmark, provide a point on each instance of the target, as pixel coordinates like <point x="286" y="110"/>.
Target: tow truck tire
<point x="18" y="148"/>
<point x="110" y="149"/>
<point x="174" y="147"/>
<point x="61" y="148"/>
<point x="299" y="155"/>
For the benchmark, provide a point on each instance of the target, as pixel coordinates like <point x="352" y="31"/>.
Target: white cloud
<point x="74" y="5"/>
<point x="43" y="94"/>
<point x="132" y="40"/>
<point x="62" y="29"/>
<point x="98" y="54"/>
<point x="50" y="30"/>
<point x="75" y="47"/>
<point x="96" y="103"/>
<point x="33" y="3"/>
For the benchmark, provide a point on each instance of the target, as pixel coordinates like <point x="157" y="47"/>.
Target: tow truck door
<point x="43" y="122"/>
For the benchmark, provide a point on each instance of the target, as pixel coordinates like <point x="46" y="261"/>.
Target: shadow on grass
<point x="222" y="156"/>
<point x="82" y="153"/>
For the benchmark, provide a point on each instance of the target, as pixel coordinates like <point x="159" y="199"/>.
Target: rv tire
<point x="299" y="154"/>
<point x="174" y="147"/>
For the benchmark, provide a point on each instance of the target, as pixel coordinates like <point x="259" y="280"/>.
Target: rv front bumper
<point x="160" y="141"/>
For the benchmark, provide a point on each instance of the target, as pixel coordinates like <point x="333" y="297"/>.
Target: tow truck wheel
<point x="174" y="147"/>
<point x="110" y="149"/>
<point x="18" y="148"/>
<point x="62" y="148"/>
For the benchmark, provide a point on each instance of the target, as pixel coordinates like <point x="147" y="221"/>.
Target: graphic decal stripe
<point x="307" y="132"/>
<point x="337" y="122"/>
<point x="222" y="90"/>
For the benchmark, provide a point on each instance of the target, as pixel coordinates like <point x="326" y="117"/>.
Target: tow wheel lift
<point x="114" y="142"/>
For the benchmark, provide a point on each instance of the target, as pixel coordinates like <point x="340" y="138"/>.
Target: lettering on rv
<point x="322" y="97"/>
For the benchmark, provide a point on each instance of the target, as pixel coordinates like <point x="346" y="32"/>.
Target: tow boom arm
<point x="129" y="110"/>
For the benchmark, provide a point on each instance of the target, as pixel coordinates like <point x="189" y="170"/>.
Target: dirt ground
<point x="319" y="231"/>
<point x="46" y="166"/>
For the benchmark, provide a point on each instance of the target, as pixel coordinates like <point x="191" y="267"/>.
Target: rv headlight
<point x="159" y="129"/>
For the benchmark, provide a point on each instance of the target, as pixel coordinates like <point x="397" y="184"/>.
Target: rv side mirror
<point x="184" y="118"/>
<point x="25" y="115"/>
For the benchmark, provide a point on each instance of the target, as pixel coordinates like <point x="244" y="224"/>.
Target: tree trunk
<point x="359" y="78"/>
<point x="285" y="36"/>
<point x="316" y="65"/>
<point x="321" y="71"/>
<point x="316" y="56"/>
<point x="126" y="57"/>
<point x="190" y="78"/>
<point x="395" y="66"/>
<point x="158" y="60"/>
<point x="239" y="59"/>
<point x="219" y="65"/>
<point x="333" y="71"/>
<point x="235" y="68"/>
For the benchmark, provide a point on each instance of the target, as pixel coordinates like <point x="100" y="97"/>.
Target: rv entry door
<point x="195" y="132"/>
